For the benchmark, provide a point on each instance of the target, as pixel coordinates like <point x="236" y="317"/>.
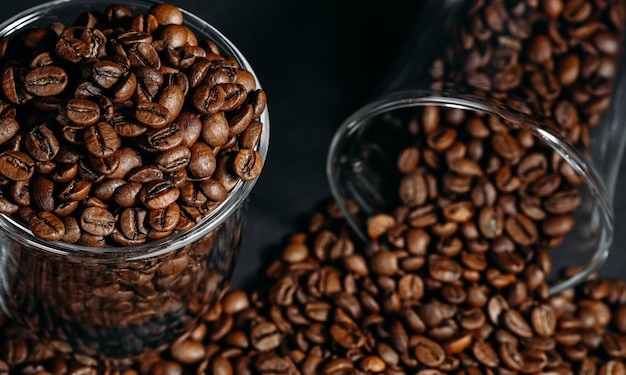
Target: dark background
<point x="318" y="61"/>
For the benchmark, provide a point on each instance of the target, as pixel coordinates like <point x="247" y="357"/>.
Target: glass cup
<point x="116" y="303"/>
<point x="484" y="59"/>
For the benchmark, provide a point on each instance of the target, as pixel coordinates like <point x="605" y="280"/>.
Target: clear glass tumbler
<point x="546" y="75"/>
<point x="118" y="303"/>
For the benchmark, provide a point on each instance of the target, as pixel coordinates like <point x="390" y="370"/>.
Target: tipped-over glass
<point x="500" y="125"/>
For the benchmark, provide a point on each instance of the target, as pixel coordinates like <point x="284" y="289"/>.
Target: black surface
<point x="318" y="61"/>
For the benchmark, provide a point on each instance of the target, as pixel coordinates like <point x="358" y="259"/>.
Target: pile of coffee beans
<point x="335" y="306"/>
<point x="121" y="129"/>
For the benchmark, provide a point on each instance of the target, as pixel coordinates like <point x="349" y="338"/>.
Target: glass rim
<point x="236" y="197"/>
<point x="425" y="97"/>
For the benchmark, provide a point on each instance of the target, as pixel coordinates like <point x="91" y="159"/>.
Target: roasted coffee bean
<point x="202" y="162"/>
<point x="97" y="221"/>
<point x="248" y="164"/>
<point x="75" y="190"/>
<point x="16" y="165"/>
<point x="172" y="99"/>
<point x="152" y="114"/>
<point x="8" y="128"/>
<point x="106" y="73"/>
<point x="41" y="143"/>
<point x="215" y="129"/>
<point x="101" y="140"/>
<point x="158" y="194"/>
<point x="413" y="189"/>
<point x="209" y="100"/>
<point x="46" y="81"/>
<point x="13" y="85"/>
<point x="82" y="112"/>
<point x="165" y="138"/>
<point x="47" y="226"/>
<point x="521" y="229"/>
<point x="173" y="159"/>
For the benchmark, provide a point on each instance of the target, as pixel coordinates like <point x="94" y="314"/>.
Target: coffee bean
<point x="101" y="140"/>
<point x="558" y="225"/>
<point x="46" y="81"/>
<point x="152" y="114"/>
<point x="172" y="98"/>
<point x="428" y="351"/>
<point x="158" y="194"/>
<point x="106" y="73"/>
<point x="47" y="226"/>
<point x="97" y="221"/>
<point x="174" y="159"/>
<point x="165" y="138"/>
<point x="41" y="143"/>
<point x="248" y="164"/>
<point x="413" y="189"/>
<point x="521" y="229"/>
<point x="82" y="112"/>
<point x="202" y="162"/>
<point x="215" y="129"/>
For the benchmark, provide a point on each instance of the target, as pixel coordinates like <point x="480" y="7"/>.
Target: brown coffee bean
<point x="248" y="164"/>
<point x="165" y="138"/>
<point x="544" y="320"/>
<point x="240" y="119"/>
<point x="172" y="98"/>
<point x="558" y="225"/>
<point x="209" y="100"/>
<point x="215" y="129"/>
<point x="8" y="128"/>
<point x="444" y="270"/>
<point x="428" y="351"/>
<point x="101" y="140"/>
<point x="413" y="189"/>
<point x="75" y="190"/>
<point x="128" y="194"/>
<point x="46" y="81"/>
<point x="190" y="128"/>
<point x="484" y="353"/>
<point x="152" y="114"/>
<point x="491" y="221"/>
<point x="213" y="190"/>
<point x="174" y="159"/>
<point x="41" y="143"/>
<point x="72" y="230"/>
<point x="506" y="146"/>
<point x="133" y="224"/>
<point x="202" y="163"/>
<point x="521" y="229"/>
<point x="265" y="336"/>
<point x="164" y="219"/>
<point x="106" y="73"/>
<point x="97" y="221"/>
<point x="158" y="194"/>
<point x="82" y="112"/>
<point x="459" y="211"/>
<point x="515" y="323"/>
<point x="16" y="165"/>
<point x="47" y="226"/>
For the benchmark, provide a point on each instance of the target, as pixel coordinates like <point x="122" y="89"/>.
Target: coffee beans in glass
<point x="470" y="71"/>
<point x="132" y="135"/>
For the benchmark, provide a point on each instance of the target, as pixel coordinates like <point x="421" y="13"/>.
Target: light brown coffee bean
<point x="97" y="221"/>
<point x="47" y="226"/>
<point x="158" y="194"/>
<point x="82" y="112"/>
